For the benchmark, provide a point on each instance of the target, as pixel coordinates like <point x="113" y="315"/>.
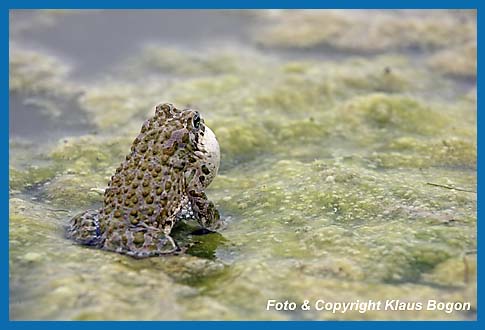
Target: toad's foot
<point x="84" y="228"/>
<point x="206" y="212"/>
<point x="142" y="243"/>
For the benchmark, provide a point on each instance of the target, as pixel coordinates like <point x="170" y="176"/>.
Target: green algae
<point x="28" y="168"/>
<point x="170" y="61"/>
<point x="460" y="61"/>
<point x="26" y="178"/>
<point x="89" y="153"/>
<point x="394" y="113"/>
<point x="75" y="190"/>
<point x="402" y="152"/>
<point x="36" y="73"/>
<point x="353" y="30"/>
<point x="113" y="104"/>
<point x="341" y="179"/>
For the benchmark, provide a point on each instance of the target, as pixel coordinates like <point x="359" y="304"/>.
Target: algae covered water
<point x="348" y="160"/>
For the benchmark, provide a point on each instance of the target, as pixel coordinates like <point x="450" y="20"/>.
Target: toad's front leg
<point x="205" y="210"/>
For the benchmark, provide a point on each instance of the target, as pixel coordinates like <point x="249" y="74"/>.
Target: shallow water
<point x="348" y="167"/>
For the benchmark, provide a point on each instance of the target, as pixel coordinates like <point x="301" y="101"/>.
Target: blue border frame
<point x="238" y="4"/>
<point x="6" y="5"/>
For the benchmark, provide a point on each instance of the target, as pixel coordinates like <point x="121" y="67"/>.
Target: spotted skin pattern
<point x="161" y="182"/>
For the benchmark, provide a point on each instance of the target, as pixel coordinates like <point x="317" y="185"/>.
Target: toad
<point x="160" y="182"/>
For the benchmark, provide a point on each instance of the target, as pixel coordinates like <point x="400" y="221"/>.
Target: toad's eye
<point x="196" y="121"/>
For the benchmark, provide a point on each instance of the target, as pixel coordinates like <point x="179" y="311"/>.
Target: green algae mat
<point x="348" y="161"/>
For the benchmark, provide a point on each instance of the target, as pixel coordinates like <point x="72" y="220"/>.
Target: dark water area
<point x="30" y="122"/>
<point x="95" y="40"/>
